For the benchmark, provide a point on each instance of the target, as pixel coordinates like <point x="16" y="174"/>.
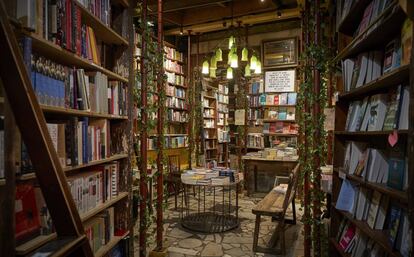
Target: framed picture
<point x="280" y="53"/>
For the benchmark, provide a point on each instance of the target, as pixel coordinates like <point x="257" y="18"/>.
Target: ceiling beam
<point x="175" y="6"/>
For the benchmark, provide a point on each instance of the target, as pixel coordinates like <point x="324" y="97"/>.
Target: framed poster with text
<point x="280" y="81"/>
<point x="280" y="53"/>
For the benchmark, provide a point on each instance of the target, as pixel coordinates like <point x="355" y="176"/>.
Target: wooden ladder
<point x="71" y="239"/>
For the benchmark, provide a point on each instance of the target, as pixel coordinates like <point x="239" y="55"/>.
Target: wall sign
<point x="280" y="81"/>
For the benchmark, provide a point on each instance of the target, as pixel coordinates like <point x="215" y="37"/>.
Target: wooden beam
<point x="174" y="6"/>
<point x="248" y="19"/>
<point x="408" y="7"/>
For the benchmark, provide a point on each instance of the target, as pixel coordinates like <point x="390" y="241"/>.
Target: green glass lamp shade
<point x="253" y="62"/>
<point x="212" y="72"/>
<point x="247" y="72"/>
<point x="258" y="69"/>
<point x="229" y="56"/>
<point x="213" y="62"/>
<point x="232" y="40"/>
<point x="219" y="55"/>
<point x="245" y="55"/>
<point x="204" y="70"/>
<point x="229" y="74"/>
<point x="234" y="61"/>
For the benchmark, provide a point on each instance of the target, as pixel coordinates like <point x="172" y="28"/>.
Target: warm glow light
<point x="212" y="73"/>
<point x="213" y="62"/>
<point x="232" y="41"/>
<point x="219" y="55"/>
<point x="258" y="69"/>
<point x="247" y="72"/>
<point x="229" y="57"/>
<point x="253" y="62"/>
<point x="245" y="55"/>
<point x="229" y="74"/>
<point x="234" y="61"/>
<point x="205" y="67"/>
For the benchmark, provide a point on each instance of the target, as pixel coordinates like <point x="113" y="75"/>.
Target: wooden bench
<point x="275" y="205"/>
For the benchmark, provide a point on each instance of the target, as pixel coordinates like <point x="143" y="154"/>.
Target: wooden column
<point x="190" y="107"/>
<point x="160" y="131"/>
<point x="316" y="211"/>
<point x="246" y="103"/>
<point x="143" y="151"/>
<point x="410" y="147"/>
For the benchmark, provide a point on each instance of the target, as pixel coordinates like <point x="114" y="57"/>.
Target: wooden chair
<point x="173" y="178"/>
<point x="275" y="204"/>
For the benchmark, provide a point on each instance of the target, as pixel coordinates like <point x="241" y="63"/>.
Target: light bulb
<point x="205" y="67"/>
<point x="219" y="55"/>
<point x="229" y="74"/>
<point x="253" y="62"/>
<point x="212" y="72"/>
<point x="258" y="69"/>
<point x="229" y="56"/>
<point x="245" y="55"/>
<point x="247" y="72"/>
<point x="234" y="61"/>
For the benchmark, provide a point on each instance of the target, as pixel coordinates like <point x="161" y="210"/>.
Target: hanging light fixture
<point x="258" y="69"/>
<point x="253" y="62"/>
<point x="234" y="59"/>
<point x="229" y="56"/>
<point x="213" y="62"/>
<point x="232" y="41"/>
<point x="212" y="72"/>
<point x="229" y="74"/>
<point x="247" y="72"/>
<point x="205" y="67"/>
<point x="245" y="55"/>
<point x="219" y="55"/>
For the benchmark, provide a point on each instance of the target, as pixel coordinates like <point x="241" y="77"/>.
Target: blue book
<point x="292" y="98"/>
<point x="346" y="198"/>
<point x="396" y="170"/>
<point x="394" y="223"/>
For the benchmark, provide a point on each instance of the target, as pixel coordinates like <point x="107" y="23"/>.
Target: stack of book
<point x="255" y="140"/>
<point x="278" y="99"/>
<point x="101" y="229"/>
<point x="177" y="116"/>
<point x="175" y="79"/>
<point x="173" y="66"/>
<point x="280" y="113"/>
<point x="280" y="127"/>
<point x="173" y="54"/>
<point x="256" y="87"/>
<point x="176" y="103"/>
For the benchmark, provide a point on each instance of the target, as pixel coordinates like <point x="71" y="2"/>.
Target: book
<point x="406" y="41"/>
<point x="382" y="212"/>
<point x="378" y="107"/>
<point x="362" y="203"/>
<point x="363" y="69"/>
<point x="373" y="209"/>
<point x="366" y="18"/>
<point x="393" y="107"/>
<point x="405" y="103"/>
<point x="396" y="173"/>
<point x="26" y="213"/>
<point x="346" y="197"/>
<point x="347" y="237"/>
<point x="393" y="223"/>
<point x="291" y="98"/>
<point x="377" y="167"/>
<point x="392" y="55"/>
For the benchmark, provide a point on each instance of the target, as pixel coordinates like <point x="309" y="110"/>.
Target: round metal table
<point x="209" y="208"/>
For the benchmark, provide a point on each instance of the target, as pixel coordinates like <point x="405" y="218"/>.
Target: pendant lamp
<point x="212" y="72"/>
<point x="245" y="55"/>
<point x="219" y="55"/>
<point x="231" y="42"/>
<point x="253" y="62"/>
<point x="258" y="69"/>
<point x="204" y="70"/>
<point x="247" y="72"/>
<point x="229" y="74"/>
<point x="234" y="61"/>
<point x="213" y="62"/>
<point x="229" y="56"/>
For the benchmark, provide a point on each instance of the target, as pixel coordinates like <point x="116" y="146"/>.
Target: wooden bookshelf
<point x="111" y="244"/>
<point x="277" y="120"/>
<point x="372" y="38"/>
<point x="86" y="216"/>
<point x="79" y="113"/>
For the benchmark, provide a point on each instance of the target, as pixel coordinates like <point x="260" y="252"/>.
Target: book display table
<point x="209" y="208"/>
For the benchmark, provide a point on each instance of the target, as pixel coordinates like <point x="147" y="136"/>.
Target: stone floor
<point x="181" y="242"/>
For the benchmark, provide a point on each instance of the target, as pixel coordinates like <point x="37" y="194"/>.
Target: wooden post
<point x="190" y="107"/>
<point x="246" y="102"/>
<point x="143" y="151"/>
<point x="306" y="191"/>
<point x="316" y="211"/>
<point x="8" y="191"/>
<point x="160" y="130"/>
<point x="410" y="147"/>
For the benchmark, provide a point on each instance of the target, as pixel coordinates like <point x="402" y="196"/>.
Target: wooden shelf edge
<point x="102" y="31"/>
<point x="32" y="175"/>
<point x="2" y="181"/>
<point x="33" y="244"/>
<point x="111" y="244"/>
<point x="277" y="120"/>
<point x="68" y="111"/>
<point x="86" y="216"/>
<point x="170" y="149"/>
<point x="385" y="81"/>
<point x="369" y="133"/>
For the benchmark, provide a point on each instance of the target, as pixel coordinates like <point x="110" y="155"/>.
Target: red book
<point x="347" y="237"/>
<point x="78" y="32"/>
<point x="68" y="25"/>
<point x="26" y="213"/>
<point x="276" y="100"/>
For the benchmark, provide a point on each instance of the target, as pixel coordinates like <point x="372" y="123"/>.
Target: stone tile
<point x="209" y="238"/>
<point x="172" y="254"/>
<point x="235" y="252"/>
<point x="212" y="249"/>
<point x="178" y="233"/>
<point x="226" y="246"/>
<point x="190" y="243"/>
<point x="217" y="238"/>
<point x="182" y="251"/>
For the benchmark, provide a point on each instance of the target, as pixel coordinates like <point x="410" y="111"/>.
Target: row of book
<point x="169" y="143"/>
<point x="223" y="98"/>
<point x="91" y="189"/>
<point x="254" y="101"/>
<point x="256" y="87"/>
<point x="380" y="112"/>
<point x="209" y="113"/>
<point x="210" y="144"/>
<point x="173" y="54"/>
<point x="80" y="141"/>
<point x="379" y="213"/>
<point x="281" y="113"/>
<point x="372" y="165"/>
<point x="223" y="89"/>
<point x="175" y="79"/>
<point x="176" y="103"/>
<point x="255" y="140"/>
<point x="57" y="85"/>
<point x="223" y="135"/>
<point x="209" y="123"/>
<point x="276" y="141"/>
<point x="278" y="99"/>
<point x="177" y="116"/>
<point x="101" y="229"/>
<point x="173" y="66"/>
<point x="224" y="108"/>
<point x="175" y="92"/>
<point x="255" y="114"/>
<point x="280" y="127"/>
<point x="100" y="8"/>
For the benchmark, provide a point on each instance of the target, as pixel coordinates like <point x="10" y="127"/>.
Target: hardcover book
<point x="396" y="173"/>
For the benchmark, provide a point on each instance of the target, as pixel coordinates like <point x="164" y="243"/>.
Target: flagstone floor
<point x="235" y="243"/>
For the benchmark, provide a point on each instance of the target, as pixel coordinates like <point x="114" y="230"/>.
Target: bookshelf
<point x="95" y="140"/>
<point x="223" y="129"/>
<point x="209" y="98"/>
<point x="354" y="138"/>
